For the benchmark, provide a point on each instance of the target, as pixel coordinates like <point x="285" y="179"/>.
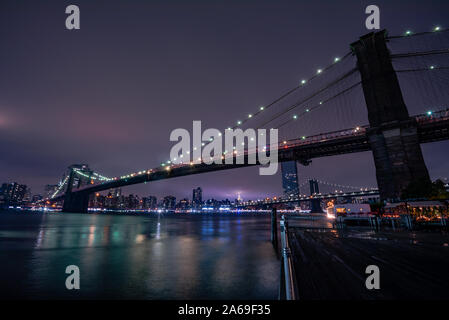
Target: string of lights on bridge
<point x="320" y="71"/>
<point x="95" y="176"/>
<point x="410" y="33"/>
<point x="303" y="82"/>
<point x="345" y="186"/>
<point x="336" y="185"/>
<point x="60" y="186"/>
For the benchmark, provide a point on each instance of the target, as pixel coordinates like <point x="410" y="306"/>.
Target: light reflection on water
<point x="138" y="257"/>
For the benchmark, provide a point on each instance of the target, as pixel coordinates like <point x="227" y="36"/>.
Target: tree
<point x="424" y="189"/>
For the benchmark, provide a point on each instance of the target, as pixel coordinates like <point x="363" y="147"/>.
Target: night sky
<point x="110" y="93"/>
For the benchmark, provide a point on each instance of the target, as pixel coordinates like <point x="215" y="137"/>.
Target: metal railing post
<point x="287" y="264"/>
<point x="274" y="228"/>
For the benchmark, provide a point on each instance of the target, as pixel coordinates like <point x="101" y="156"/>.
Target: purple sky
<point x="110" y="94"/>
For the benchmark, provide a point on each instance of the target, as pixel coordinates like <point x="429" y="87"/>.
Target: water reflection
<point x="143" y="257"/>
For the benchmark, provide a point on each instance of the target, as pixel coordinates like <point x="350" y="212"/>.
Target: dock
<point x="330" y="261"/>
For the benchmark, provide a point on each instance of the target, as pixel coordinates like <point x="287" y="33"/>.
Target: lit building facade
<point x="290" y="179"/>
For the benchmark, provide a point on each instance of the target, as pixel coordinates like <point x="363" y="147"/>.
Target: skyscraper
<point x="289" y="179"/>
<point x="197" y="197"/>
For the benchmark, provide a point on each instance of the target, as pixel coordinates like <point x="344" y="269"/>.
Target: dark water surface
<point x="137" y="257"/>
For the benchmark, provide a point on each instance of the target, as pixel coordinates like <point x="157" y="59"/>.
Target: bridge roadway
<point x="431" y="128"/>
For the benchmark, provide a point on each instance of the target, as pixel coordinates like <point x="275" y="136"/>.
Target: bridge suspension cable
<point x="320" y="104"/>
<point x="335" y="185"/>
<point x="299" y="103"/>
<point x="94" y="176"/>
<point x="289" y="92"/>
<point x="423" y="69"/>
<point x="420" y="53"/>
<point x="409" y="33"/>
<point x="344" y="186"/>
<point x="61" y="185"/>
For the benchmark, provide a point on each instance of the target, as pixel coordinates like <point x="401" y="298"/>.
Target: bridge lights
<point x="437" y="28"/>
<point x="250" y="115"/>
<point x="239" y="122"/>
<point x="319" y="71"/>
<point x="261" y="108"/>
<point x="307" y="110"/>
<point x="336" y="59"/>
<point x="432" y="67"/>
<point x="429" y="113"/>
<point x="303" y="138"/>
<point x="407" y="33"/>
<point x="295" y="116"/>
<point x="303" y="81"/>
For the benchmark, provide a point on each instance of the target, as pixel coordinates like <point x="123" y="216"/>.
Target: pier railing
<point x="288" y="287"/>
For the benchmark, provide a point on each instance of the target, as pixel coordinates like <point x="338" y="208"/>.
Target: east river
<point x="148" y="256"/>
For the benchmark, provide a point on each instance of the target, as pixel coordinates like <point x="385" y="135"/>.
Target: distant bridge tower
<point x="315" y="205"/>
<point x="393" y="135"/>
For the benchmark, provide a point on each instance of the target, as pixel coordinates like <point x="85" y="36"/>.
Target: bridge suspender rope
<point x="302" y="83"/>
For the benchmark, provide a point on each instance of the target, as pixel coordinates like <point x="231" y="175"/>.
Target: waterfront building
<point x="183" y="204"/>
<point x="169" y="202"/>
<point x="13" y="193"/>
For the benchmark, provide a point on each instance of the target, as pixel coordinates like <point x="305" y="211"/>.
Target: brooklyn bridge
<point x="387" y="94"/>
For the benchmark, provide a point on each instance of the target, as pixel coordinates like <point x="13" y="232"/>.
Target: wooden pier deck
<point x="330" y="263"/>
